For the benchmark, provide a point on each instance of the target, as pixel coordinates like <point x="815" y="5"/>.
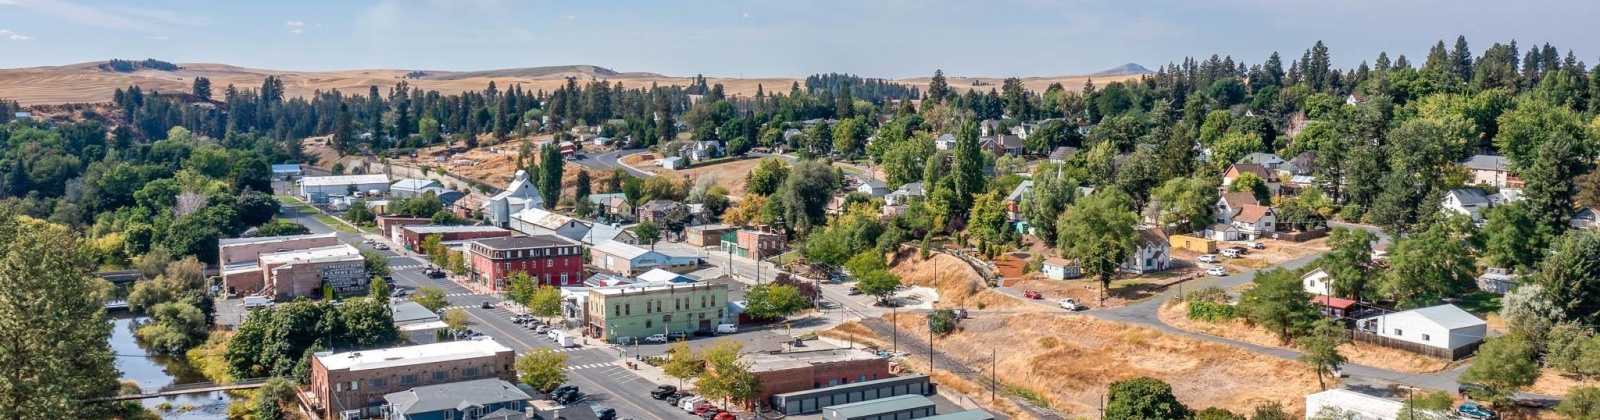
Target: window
<point x="647" y="323"/>
<point x="380" y="382"/>
<point x="617" y="312"/>
<point x="408" y="379"/>
<point x="549" y="263"/>
<point x="469" y="372"/>
<point x="627" y="309"/>
<point x="449" y="414"/>
<point x="1397" y="332"/>
<point x="863" y="378"/>
<point x="338" y="387"/>
<point x="441" y="376"/>
<point x="1424" y="337"/>
<point x="355" y="385"/>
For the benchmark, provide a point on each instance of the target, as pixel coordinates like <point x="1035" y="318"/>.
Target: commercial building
<point x="759" y="242"/>
<point x="637" y="311"/>
<point x="791" y="371"/>
<point x="303" y="273"/>
<point x="892" y="408"/>
<point x="387" y="225"/>
<point x="551" y="260"/>
<point x="705" y="235"/>
<point x="286" y="171"/>
<point x="630" y="260"/>
<point x="1347" y="402"/>
<point x="238" y="258"/>
<point x="343" y="184"/>
<point x="536" y="221"/>
<point x="813" y="400"/>
<point x="358" y="381"/>
<point x="415" y="322"/>
<point x="412" y="187"/>
<point x="412" y="236"/>
<point x="475" y="399"/>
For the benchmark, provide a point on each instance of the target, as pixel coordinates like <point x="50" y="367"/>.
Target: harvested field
<point x="1176" y="314"/>
<point x="1069" y="360"/>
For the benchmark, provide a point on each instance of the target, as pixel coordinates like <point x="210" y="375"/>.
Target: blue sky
<point x="879" y="38"/>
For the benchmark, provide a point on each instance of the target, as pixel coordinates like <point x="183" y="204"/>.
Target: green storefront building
<point x="641" y="310"/>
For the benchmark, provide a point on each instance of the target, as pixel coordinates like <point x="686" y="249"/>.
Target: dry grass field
<point x="83" y="82"/>
<point x="958" y="285"/>
<point x="1176" y="315"/>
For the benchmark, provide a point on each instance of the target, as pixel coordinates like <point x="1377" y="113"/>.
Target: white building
<point x="1467" y="201"/>
<point x="1444" y="326"/>
<point x="412" y="187"/>
<point x="872" y="188"/>
<point x="629" y="260"/>
<point x="1255" y="222"/>
<point x="343" y="184"/>
<point x="1352" y="405"/>
<point x="1061" y="269"/>
<point x="1317" y="282"/>
<point x="521" y="195"/>
<point x="537" y="221"/>
<point x="1152" y="253"/>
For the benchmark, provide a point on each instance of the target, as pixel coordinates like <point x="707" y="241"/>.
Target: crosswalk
<point x="464" y="294"/>
<point x="406" y="267"/>
<point x="590" y="366"/>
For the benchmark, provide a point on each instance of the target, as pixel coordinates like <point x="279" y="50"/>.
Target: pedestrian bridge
<point x="195" y="388"/>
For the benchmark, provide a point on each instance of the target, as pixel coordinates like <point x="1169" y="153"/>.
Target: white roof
<point x="414" y="184"/>
<point x="266" y="239"/>
<point x="651" y="287"/>
<point x="658" y="276"/>
<point x="1445" y="316"/>
<point x="340" y="250"/>
<point x="543" y="218"/>
<point x="323" y="181"/>
<point x="426" y="229"/>
<point x="1366" y="406"/>
<point x="620" y="249"/>
<point x="411" y="355"/>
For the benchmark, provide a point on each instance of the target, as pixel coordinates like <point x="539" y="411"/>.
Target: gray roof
<point x="1063" y="152"/>
<point x="408" y="311"/>
<point x="524" y="242"/>
<point x="1010" y="142"/>
<point x="1260" y="158"/>
<point x="1487" y="163"/>
<point x="881" y="405"/>
<point x="1020" y="190"/>
<point x="431" y="398"/>
<point x="946" y="137"/>
<point x="874" y="183"/>
<point x="973" y="414"/>
<point x="1470" y="196"/>
<point x="911" y="188"/>
<point x="414" y="184"/>
<point x="285" y="167"/>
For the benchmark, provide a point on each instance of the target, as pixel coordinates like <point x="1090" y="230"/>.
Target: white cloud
<point x="294" y="23"/>
<point x="137" y="19"/>
<point x="297" y="31"/>
<point x="570" y="17"/>
<point x="13" y="35"/>
<point x="746" y="15"/>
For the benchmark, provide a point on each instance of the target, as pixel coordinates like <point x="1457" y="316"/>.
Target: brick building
<point x="388" y="225"/>
<point x="238" y="258"/>
<point x="784" y="372"/>
<point x="303" y="273"/>
<point x="552" y="260"/>
<point x="412" y="236"/>
<point x="756" y="243"/>
<point x="342" y="382"/>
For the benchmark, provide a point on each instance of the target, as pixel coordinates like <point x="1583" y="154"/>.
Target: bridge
<point x="195" y="388"/>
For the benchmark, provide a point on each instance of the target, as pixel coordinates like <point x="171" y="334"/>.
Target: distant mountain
<point x="1130" y="69"/>
<point x="539" y="72"/>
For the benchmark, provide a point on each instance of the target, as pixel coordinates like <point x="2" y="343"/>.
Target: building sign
<point x="347" y="279"/>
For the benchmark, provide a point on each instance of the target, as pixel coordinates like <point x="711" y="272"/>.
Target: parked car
<point x="678" y="336"/>
<point x="486" y="305"/>
<point x="1470" y="390"/>
<point x="1472" y="410"/>
<point x="1216" y="272"/>
<point x="656" y="338"/>
<point x="541" y="329"/>
<point x="1071" y="304"/>
<point x="675" y="397"/>
<point x="368" y="242"/>
<point x="1255" y="245"/>
<point x="381" y="247"/>
<point x="560" y="389"/>
<point x="705" y="332"/>
<point x="1209" y="258"/>
<point x="663" y="391"/>
<point x="725" y="416"/>
<point x="727" y="328"/>
<point x="434" y="273"/>
<point x="1033" y="294"/>
<point x="853" y="291"/>
<point x="1235" y="252"/>
<point x="603" y="413"/>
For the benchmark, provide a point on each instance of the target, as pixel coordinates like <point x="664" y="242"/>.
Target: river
<point x="136" y="364"/>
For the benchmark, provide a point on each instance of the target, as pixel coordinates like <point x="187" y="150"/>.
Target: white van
<point x="727" y="328"/>
<point x="688" y="404"/>
<point x="252" y="302"/>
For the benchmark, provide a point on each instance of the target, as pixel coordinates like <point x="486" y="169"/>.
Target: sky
<point x="769" y="38"/>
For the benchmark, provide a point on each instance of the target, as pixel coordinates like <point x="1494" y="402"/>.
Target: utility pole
<point x="930" y="343"/>
<point x="994" y="362"/>
<point x="894" y="321"/>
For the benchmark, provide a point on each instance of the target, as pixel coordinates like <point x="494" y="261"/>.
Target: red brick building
<point x="552" y="260"/>
<point x="412" y="236"/>
<point x="388" y="225"/>
<point x="805" y="370"/>
<point x="358" y="380"/>
<point x="758" y="242"/>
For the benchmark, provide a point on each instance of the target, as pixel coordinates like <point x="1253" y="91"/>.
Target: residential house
<point x="1024" y="129"/>
<point x="1585" y="217"/>
<point x="639" y="310"/>
<point x="1497" y="280"/>
<point x="1004" y="144"/>
<point x="1014" y="205"/>
<point x="904" y="194"/>
<point x="989" y="127"/>
<point x="602" y="232"/>
<point x="659" y="210"/>
<point x="568" y="149"/>
<point x="521" y="195"/>
<point x="1491" y="170"/>
<point x="1466" y="201"/>
<point x="790" y="134"/>
<point x="1061" y="154"/>
<point x="672" y="162"/>
<point x="1222" y="232"/>
<point x="411" y="187"/>
<point x="1317" y="282"/>
<point x="475" y="399"/>
<point x="1255" y="222"/>
<point x="1152" y="253"/>
<point x="758" y="242"/>
<point x="537" y="221"/>
<point x="601" y="141"/>
<point x="620" y="258"/>
<point x="1268" y="175"/>
<point x="1230" y="204"/>
<point x="945" y="141"/>
<point x="1057" y="268"/>
<point x="1266" y="160"/>
<point x="359" y="380"/>
<point x="872" y="188"/>
<point x="550" y="260"/>
<point x="704" y="150"/>
<point x="613" y="206"/>
<point x="1354" y="99"/>
<point x="1435" y="330"/>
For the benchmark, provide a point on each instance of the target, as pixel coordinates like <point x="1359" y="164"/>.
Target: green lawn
<point x="1480" y="303"/>
<point x="336" y="224"/>
<point x="786" y="258"/>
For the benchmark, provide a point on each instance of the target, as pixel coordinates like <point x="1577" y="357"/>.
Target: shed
<point x="892" y="408"/>
<point x="1497" y="280"/>
<point x="1426" y="331"/>
<point x="1192" y="243"/>
<point x="1061" y="269"/>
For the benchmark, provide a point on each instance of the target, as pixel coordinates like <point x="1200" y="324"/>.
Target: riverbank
<point x="149" y="371"/>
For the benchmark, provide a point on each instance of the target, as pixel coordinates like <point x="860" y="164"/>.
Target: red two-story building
<point x="551" y="260"/>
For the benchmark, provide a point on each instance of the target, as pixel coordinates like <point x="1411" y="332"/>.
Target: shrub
<point x="1210" y="311"/>
<point x="1209" y="294"/>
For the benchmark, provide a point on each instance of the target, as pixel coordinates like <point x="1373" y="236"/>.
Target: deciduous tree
<point x="1143" y="398"/>
<point x="1505" y="364"/>
<point x="1099" y="233"/>
<point x="542" y="368"/>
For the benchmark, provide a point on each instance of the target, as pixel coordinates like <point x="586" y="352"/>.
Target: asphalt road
<point x="609" y="160"/>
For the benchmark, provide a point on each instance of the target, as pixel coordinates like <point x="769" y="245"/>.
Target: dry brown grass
<point x="1556" y="384"/>
<point x="1070" y="360"/>
<point x="1176" y="315"/>
<point x="958" y="285"/>
<point x="730" y="175"/>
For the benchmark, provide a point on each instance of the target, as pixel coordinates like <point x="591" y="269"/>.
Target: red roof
<point x="1333" y="302"/>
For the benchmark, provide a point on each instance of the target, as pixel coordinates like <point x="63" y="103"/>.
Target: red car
<point x="724" y="416"/>
<point x="1032" y="294"/>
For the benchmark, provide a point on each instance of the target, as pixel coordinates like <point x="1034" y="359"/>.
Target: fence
<point x="1418" y="348"/>
<point x="1301" y="236"/>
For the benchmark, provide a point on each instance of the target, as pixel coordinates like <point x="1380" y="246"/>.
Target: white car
<point x="1071" y="304"/>
<point x="1209" y="258"/>
<point x="657" y="339"/>
<point x="1216" y="272"/>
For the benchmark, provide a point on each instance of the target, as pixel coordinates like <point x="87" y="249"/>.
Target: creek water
<point x="136" y="363"/>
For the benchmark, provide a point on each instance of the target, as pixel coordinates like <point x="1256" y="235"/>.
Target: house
<point x="1317" y="282"/>
<point x="537" y="221"/>
<point x="1061" y="154"/>
<point x="1006" y="144"/>
<point x="790" y="134"/>
<point x="800" y="370"/>
<point x="1333" y="307"/>
<point x="673" y="162"/>
<point x="614" y="206"/>
<point x="1466" y="201"/>
<point x="1303" y="164"/>
<point x="1505" y="196"/>
<point x="550" y="260"/>
<point x="1585" y="217"/>
<point x="1014" y="205"/>
<point x="872" y="188"/>
<point x="568" y="149"/>
<point x="286" y="171"/>
<point x="1497" y="280"/>
<point x="620" y="258"/>
<point x="989" y="127"/>
<point x="1222" y="232"/>
<point x="416" y="323"/>
<point x="758" y="242"/>
<point x="1230" y="204"/>
<point x="659" y="210"/>
<point x="521" y="195"/>
<point x="1443" y="330"/>
<point x="613" y="232"/>
<point x="639" y="310"/>
<point x="1346" y="404"/>
<point x="1024" y="129"/>
<point x="412" y="237"/>
<point x="359" y="380"/>
<point x="1152" y="253"/>
<point x="601" y="141"/>
<point x="1266" y="160"/>
<point x="474" y="399"/>
<point x="342" y="184"/>
<point x="945" y="141"/>
<point x="1058" y="268"/>
<point x="904" y="194"/>
<point x="1491" y="170"/>
<point x="1268" y="175"/>
<point x="1354" y="99"/>
<point x="1255" y="222"/>
<point x="704" y="150"/>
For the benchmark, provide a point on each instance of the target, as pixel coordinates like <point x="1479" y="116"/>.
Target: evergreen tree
<point x="938" y="89"/>
<point x="202" y="87"/>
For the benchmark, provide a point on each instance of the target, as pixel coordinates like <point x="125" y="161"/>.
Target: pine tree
<point x="938" y="89"/>
<point x="202" y="87"/>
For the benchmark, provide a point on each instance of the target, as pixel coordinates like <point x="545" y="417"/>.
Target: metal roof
<point x="324" y="181"/>
<point x="523" y="242"/>
<point x="879" y="406"/>
<point x="411" y="355"/>
<point x="454" y="396"/>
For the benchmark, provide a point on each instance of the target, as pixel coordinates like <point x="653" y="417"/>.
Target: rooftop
<point x="767" y="362"/>
<point x="322" y="181"/>
<point x="430" y="229"/>
<point x="414" y="184"/>
<point x="408" y="312"/>
<point x="1445" y="316"/>
<point x="309" y="254"/>
<point x="1487" y="163"/>
<point x="524" y="242"/>
<point x="271" y="239"/>
<point x="973" y="414"/>
<point x="663" y="276"/>
<point x="455" y="395"/>
<point x="619" y="249"/>
<point x="647" y="288"/>
<point x="411" y="355"/>
<point x="881" y="405"/>
<point x="285" y="167"/>
<point x="543" y="218"/>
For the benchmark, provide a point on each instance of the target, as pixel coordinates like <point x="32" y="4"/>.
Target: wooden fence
<point x="1418" y="348"/>
<point x="1301" y="236"/>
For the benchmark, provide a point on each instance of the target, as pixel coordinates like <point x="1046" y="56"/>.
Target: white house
<point x="1468" y="201"/>
<point x="1152" y="253"/>
<point x="1346" y="404"/>
<point x="412" y="187"/>
<point x="1061" y="269"/>
<point x="1585" y="217"/>
<point x="343" y="184"/>
<point x="1317" y="282"/>
<point x="1491" y="170"/>
<point x="872" y="188"/>
<point x="1444" y="326"/>
<point x="1255" y="222"/>
<point x="945" y="141"/>
<point x="1222" y="232"/>
<point x="904" y="194"/>
<point x="1229" y="205"/>
<point x="1061" y="154"/>
<point x="704" y="150"/>
<point x="536" y="221"/>
<point x="521" y="195"/>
